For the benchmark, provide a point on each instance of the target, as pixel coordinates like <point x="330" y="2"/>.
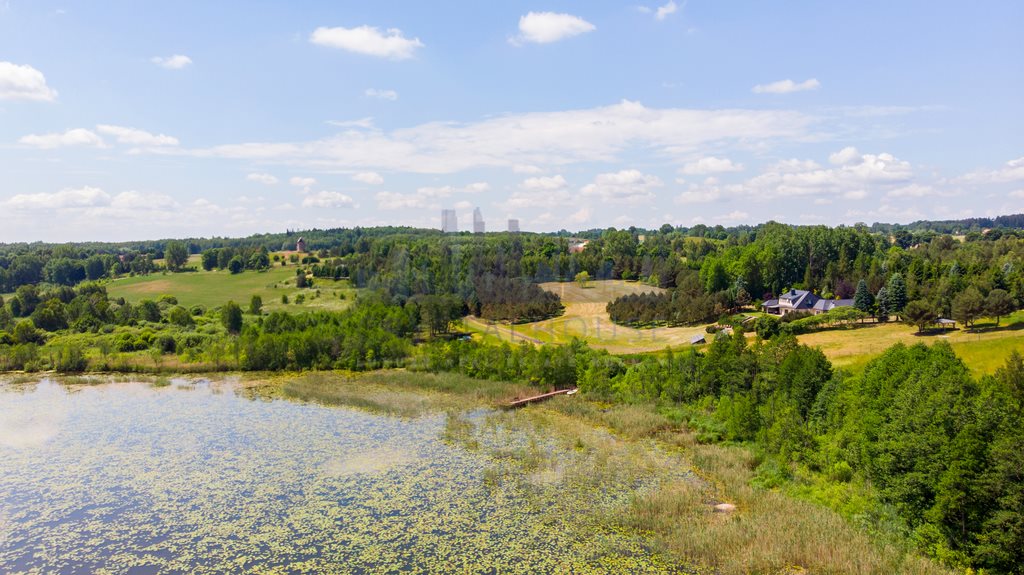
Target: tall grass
<point x="769" y="532"/>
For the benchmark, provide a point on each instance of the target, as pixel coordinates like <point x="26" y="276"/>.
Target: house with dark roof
<point x="802" y="300"/>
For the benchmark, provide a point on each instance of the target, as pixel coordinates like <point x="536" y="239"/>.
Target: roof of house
<point x="770" y="303"/>
<point x="699" y="338"/>
<point x="830" y="304"/>
<point x="798" y="299"/>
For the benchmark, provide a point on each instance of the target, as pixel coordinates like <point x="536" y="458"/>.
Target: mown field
<point x="215" y="288"/>
<point x="585" y="318"/>
<point x="984" y="348"/>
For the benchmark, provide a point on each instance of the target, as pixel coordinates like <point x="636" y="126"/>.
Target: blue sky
<point x="133" y="120"/>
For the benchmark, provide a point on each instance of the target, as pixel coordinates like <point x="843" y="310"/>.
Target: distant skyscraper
<point x="449" y="223"/>
<point x="513" y="225"/>
<point x="478" y="221"/>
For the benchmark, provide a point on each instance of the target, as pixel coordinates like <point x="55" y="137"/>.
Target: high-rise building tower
<point x="449" y="222"/>
<point x="513" y="225"/>
<point x="478" y="221"/>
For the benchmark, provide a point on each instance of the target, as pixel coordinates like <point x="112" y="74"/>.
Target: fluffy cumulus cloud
<point x="136" y="137"/>
<point x="328" y="200"/>
<point x="710" y="165"/>
<point x="23" y="82"/>
<point x="389" y="95"/>
<point x="74" y="137"/>
<point x="531" y="139"/>
<point x="369" y="41"/>
<point x="175" y="62"/>
<point x="624" y="186"/>
<point x="787" y="86"/>
<point x="262" y="178"/>
<point x="371" y="178"/>
<point x="547" y="27"/>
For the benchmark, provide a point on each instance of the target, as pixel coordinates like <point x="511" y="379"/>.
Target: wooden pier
<point x="537" y="398"/>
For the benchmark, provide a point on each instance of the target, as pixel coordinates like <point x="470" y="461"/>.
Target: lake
<point x="200" y="476"/>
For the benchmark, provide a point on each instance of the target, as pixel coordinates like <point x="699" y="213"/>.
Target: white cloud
<point x="530" y="139"/>
<point x="546" y="192"/>
<point x="266" y="179"/>
<point x="844" y="156"/>
<point x="545" y="184"/>
<point x="324" y="199"/>
<point x="425" y="197"/>
<point x="665" y="10"/>
<point x="526" y="169"/>
<point x="711" y="165"/>
<point x="75" y="137"/>
<point x="390" y="95"/>
<point x="787" y="86"/>
<point x="301" y="181"/>
<point x="1012" y="171"/>
<point x="1017" y="194"/>
<point x="913" y="191"/>
<point x="83" y="197"/>
<point x="623" y="186"/>
<point x="136" y="137"/>
<point x="362" y="123"/>
<point x="371" y="178"/>
<point x="368" y="40"/>
<point x="23" y="82"/>
<point x="175" y="62"/>
<point x="796" y="179"/>
<point x="699" y="194"/>
<point x="547" y="27"/>
<point x="734" y="217"/>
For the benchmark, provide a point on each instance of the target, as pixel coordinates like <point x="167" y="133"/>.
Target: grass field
<point x="984" y="349"/>
<point x="585" y="318"/>
<point x="215" y="288"/>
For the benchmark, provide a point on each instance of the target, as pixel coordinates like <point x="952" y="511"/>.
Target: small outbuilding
<point x="698" y="339"/>
<point x="300" y="245"/>
<point x="946" y="323"/>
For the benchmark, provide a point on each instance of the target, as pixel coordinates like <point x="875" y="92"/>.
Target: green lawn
<point x="215" y="288"/>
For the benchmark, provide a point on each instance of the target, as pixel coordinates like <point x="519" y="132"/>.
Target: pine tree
<point x="882" y="303"/>
<point x="862" y="298"/>
<point x="896" y="294"/>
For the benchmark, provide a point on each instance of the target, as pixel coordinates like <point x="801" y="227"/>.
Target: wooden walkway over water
<point x="537" y="398"/>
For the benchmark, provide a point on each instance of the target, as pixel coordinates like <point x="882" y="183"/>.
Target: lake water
<point x="199" y="477"/>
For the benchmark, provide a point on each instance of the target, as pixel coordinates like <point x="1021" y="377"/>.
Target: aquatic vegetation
<point x="211" y="477"/>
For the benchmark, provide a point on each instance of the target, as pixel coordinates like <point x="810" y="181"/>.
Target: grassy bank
<point x="771" y="530"/>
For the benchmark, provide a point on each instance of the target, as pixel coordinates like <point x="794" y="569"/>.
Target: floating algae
<point x="126" y="477"/>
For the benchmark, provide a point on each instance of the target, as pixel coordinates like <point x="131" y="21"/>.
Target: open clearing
<point x="585" y="318"/>
<point x="215" y="288"/>
<point x="984" y="349"/>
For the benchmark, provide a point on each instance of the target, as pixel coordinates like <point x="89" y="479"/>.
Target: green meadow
<point x="215" y="288"/>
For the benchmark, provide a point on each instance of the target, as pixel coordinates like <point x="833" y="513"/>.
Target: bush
<point x="70" y="359"/>
<point x="166" y="343"/>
